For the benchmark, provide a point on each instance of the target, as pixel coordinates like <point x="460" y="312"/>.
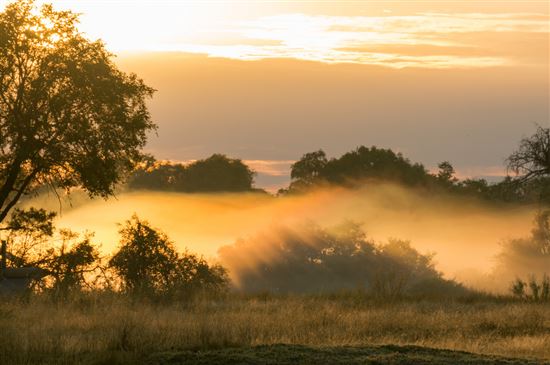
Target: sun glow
<point x="384" y="34"/>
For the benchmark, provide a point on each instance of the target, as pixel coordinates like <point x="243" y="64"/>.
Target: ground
<point x="295" y="354"/>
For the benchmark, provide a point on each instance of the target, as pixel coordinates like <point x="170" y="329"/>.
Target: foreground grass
<point x="112" y="329"/>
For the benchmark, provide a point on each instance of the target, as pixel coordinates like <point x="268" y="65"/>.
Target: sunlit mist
<point x="464" y="235"/>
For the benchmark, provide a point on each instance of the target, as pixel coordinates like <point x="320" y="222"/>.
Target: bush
<point x="147" y="263"/>
<point x="313" y="259"/>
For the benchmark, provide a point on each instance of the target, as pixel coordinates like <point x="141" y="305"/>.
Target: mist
<point x="465" y="235"/>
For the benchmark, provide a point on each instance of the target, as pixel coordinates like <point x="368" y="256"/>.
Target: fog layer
<point x="465" y="235"/>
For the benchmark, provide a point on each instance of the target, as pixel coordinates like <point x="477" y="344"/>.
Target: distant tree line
<point x="359" y="167"/>
<point x="217" y="173"/>
<point x="363" y="165"/>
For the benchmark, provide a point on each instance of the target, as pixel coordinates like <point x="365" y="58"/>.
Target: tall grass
<point x="112" y="328"/>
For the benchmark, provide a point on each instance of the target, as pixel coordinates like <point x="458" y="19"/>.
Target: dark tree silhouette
<point x="147" y="263"/>
<point x="68" y="116"/>
<point x="374" y="163"/>
<point x="532" y="159"/>
<point x="217" y="173"/>
<point x="146" y="258"/>
<point x="68" y="258"/>
<point x="445" y="175"/>
<point x="355" y="167"/>
<point x="308" y="169"/>
<point x="69" y="262"/>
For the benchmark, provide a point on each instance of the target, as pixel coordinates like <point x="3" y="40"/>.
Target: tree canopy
<point x="356" y="166"/>
<point x="367" y="164"/>
<point x="147" y="263"/>
<point x="217" y="173"/>
<point x="68" y="116"/>
<point x="532" y="159"/>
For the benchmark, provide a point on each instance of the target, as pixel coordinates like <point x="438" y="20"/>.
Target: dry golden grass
<point x="40" y="329"/>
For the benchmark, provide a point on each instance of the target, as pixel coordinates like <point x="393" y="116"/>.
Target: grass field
<point x="271" y="330"/>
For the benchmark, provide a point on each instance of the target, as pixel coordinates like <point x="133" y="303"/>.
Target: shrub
<point x="147" y="263"/>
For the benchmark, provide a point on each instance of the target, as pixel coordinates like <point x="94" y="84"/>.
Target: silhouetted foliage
<point x="147" y="263"/>
<point x="71" y="260"/>
<point x="532" y="159"/>
<point x="29" y="232"/>
<point x="363" y="165"/>
<point x="217" y="173"/>
<point x="356" y="167"/>
<point x="72" y="263"/>
<point x="445" y="175"/>
<point x="312" y="259"/>
<point x="374" y="163"/>
<point x="68" y="116"/>
<point x="308" y="169"/>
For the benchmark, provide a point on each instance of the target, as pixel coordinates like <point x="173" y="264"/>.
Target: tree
<point x="310" y="258"/>
<point x="445" y="175"/>
<point x="355" y="167"/>
<point x="532" y="159"/>
<point x="217" y="173"/>
<point x="70" y="262"/>
<point x="146" y="258"/>
<point x="307" y="169"/>
<point x="28" y="232"/>
<point x="147" y="263"/>
<point x="69" y="259"/>
<point x="68" y="116"/>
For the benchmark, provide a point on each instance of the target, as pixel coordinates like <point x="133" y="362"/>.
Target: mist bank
<point x="464" y="234"/>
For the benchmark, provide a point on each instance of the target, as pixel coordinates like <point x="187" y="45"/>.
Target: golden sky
<point x="267" y="81"/>
<point x="432" y="34"/>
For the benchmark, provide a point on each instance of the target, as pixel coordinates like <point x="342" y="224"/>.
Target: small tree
<point x="28" y="232"/>
<point x="445" y="175"/>
<point x="70" y="259"/>
<point x="146" y="259"/>
<point x="147" y="263"/>
<point x="307" y="170"/>
<point x="68" y="116"/>
<point x="532" y="159"/>
<point x="69" y="263"/>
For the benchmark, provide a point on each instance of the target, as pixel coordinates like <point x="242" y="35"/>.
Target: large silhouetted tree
<point x="68" y="116"/>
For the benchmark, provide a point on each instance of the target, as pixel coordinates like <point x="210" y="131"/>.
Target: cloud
<point x="270" y="167"/>
<point x="355" y="39"/>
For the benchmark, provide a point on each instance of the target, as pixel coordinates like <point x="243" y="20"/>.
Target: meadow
<point x="249" y="329"/>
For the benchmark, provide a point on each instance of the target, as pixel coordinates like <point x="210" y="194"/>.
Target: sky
<point x="268" y="81"/>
